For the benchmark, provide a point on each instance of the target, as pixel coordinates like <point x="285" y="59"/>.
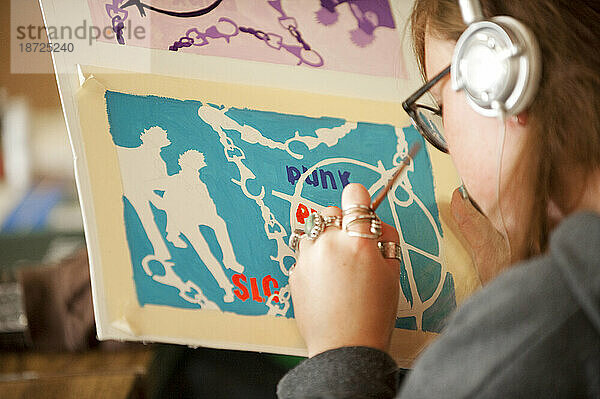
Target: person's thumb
<point x="471" y="223"/>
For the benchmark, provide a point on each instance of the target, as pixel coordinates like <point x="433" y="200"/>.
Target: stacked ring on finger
<point x="314" y="225"/>
<point x="359" y="214"/>
<point x="334" y="221"/>
<point x="295" y="237"/>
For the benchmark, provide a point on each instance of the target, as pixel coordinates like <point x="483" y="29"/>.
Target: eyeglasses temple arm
<point x="411" y="100"/>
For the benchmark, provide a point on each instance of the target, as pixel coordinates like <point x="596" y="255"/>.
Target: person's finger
<point x="389" y="233"/>
<point x="329" y="211"/>
<point x="472" y="224"/>
<point x="489" y="248"/>
<point x="303" y="244"/>
<point x="477" y="229"/>
<point x="332" y="211"/>
<point x="356" y="195"/>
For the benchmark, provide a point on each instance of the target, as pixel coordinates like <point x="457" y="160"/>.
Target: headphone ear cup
<point x="498" y="65"/>
<point x="529" y="57"/>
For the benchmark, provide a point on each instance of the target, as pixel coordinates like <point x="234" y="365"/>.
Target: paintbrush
<point x="411" y="154"/>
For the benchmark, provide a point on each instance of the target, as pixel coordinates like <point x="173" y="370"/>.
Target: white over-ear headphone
<point x="496" y="62"/>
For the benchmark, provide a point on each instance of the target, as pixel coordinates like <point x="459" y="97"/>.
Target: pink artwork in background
<point x="358" y="36"/>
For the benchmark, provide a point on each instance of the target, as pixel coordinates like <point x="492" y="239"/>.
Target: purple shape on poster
<point x="198" y="38"/>
<point x="369" y="15"/>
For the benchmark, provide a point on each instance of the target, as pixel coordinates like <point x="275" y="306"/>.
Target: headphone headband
<point x="471" y="11"/>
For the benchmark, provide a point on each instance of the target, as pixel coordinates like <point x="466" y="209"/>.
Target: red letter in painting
<point x="301" y="213"/>
<point x="267" y="287"/>
<point x="242" y="292"/>
<point x="254" y="287"/>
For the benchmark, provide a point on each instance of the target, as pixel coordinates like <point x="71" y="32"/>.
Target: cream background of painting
<point x="233" y="82"/>
<point x="125" y="319"/>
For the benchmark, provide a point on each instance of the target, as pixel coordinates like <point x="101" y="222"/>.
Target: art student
<point x="521" y="121"/>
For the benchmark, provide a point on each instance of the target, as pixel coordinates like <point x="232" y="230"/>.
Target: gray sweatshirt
<point x="534" y="332"/>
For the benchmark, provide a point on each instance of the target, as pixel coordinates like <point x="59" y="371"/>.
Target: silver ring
<point x="334" y="221"/>
<point x="358" y="214"/>
<point x="357" y="209"/>
<point x="295" y="237"/>
<point x="390" y="250"/>
<point x="314" y="225"/>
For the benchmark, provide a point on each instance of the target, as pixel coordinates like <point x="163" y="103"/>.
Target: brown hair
<point x="564" y="118"/>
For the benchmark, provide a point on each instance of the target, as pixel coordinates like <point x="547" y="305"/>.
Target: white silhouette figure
<point x="144" y="171"/>
<point x="188" y="205"/>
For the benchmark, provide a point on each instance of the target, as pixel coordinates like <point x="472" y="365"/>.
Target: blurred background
<point x="47" y="336"/>
<point x="35" y="156"/>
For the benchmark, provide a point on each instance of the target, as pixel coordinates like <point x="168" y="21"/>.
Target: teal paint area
<point x="187" y="233"/>
<point x="148" y="291"/>
<point x="405" y="283"/>
<point x="427" y="275"/>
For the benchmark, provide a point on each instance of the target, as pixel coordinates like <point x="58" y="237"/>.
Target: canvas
<point x="211" y="195"/>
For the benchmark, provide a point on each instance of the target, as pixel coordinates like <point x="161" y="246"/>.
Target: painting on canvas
<point x="211" y="193"/>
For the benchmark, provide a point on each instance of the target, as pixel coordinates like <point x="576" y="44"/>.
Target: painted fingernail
<point x="463" y="192"/>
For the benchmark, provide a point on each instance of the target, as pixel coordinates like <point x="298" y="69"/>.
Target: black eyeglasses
<point x="427" y="118"/>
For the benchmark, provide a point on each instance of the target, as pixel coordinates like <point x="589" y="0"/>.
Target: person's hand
<point x="489" y="249"/>
<point x="344" y="292"/>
